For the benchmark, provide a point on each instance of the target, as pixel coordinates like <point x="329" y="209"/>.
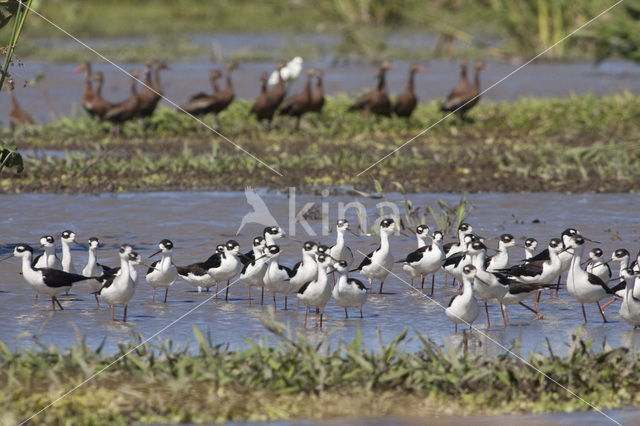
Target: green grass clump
<point x="299" y="379"/>
<point x="582" y="143"/>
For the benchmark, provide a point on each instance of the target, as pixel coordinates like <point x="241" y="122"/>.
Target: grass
<point x="162" y="382"/>
<point x="578" y="144"/>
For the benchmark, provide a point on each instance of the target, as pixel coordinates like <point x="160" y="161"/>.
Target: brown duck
<point x="100" y="105"/>
<point x="296" y="106"/>
<point x="261" y="107"/>
<point x="276" y="95"/>
<point x="88" y="94"/>
<point x="407" y="101"/>
<point x="470" y="97"/>
<point x="224" y="98"/>
<point x="317" y="98"/>
<point x="453" y="98"/>
<point x="202" y="103"/>
<point x="125" y="110"/>
<point x="376" y="101"/>
<point x="17" y="116"/>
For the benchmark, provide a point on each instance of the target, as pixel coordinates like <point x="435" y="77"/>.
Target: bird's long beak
<point x="593" y="241"/>
<point x="518" y="245"/>
<point x="8" y="257"/>
<point x="405" y="234"/>
<point x="292" y="239"/>
<point x="158" y="252"/>
<point x="80" y="244"/>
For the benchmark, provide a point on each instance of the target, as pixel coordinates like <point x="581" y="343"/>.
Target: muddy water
<point x="58" y="94"/>
<point x="195" y="222"/>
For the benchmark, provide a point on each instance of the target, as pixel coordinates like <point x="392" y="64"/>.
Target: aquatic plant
<point x="164" y="382"/>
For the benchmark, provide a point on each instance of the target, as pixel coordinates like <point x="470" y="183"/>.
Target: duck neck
<point x="147" y="78"/>
<point x="134" y="91"/>
<point x="476" y="79"/>
<point x="382" y="83"/>
<point x="156" y="76"/>
<point x="307" y="87"/>
<point x="412" y="75"/>
<point x="229" y="82"/>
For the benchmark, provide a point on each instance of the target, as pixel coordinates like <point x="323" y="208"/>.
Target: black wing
<point x="296" y="267"/>
<point x="35" y="260"/>
<point x="452" y="299"/>
<point x="487" y="261"/>
<point x="366" y="261"/>
<point x="304" y="287"/>
<point x="290" y="273"/>
<point x="194" y="268"/>
<point x="58" y="278"/>
<point x="447" y="247"/>
<point x="502" y="279"/>
<point x="454" y="259"/>
<point x="106" y="282"/>
<point x="213" y="261"/>
<point x="530" y="269"/>
<point x="107" y="269"/>
<point x="152" y="267"/>
<point x="416" y="255"/>
<point x="543" y="255"/>
<point x="620" y="286"/>
<point x="595" y="280"/>
<point x="247" y="258"/>
<point x="358" y="283"/>
<point x="517" y="288"/>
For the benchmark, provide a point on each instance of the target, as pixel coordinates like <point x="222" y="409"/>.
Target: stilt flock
<point x="323" y="272"/>
<point x="271" y="101"/>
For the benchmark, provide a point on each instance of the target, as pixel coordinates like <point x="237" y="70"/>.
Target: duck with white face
<point x="339" y="250"/>
<point x="277" y="278"/>
<point x="162" y="273"/>
<point x="378" y="264"/>
<point x="316" y="293"/>
<point x="348" y="292"/>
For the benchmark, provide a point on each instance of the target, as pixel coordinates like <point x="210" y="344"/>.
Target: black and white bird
<point x="271" y="234"/>
<point x="277" y="278"/>
<point x="48" y="259"/>
<point x="530" y="245"/>
<point x="422" y="235"/>
<point x="305" y="270"/>
<point x="67" y="238"/>
<point x="451" y="248"/>
<point x="48" y="281"/>
<point x="230" y="266"/>
<point x="426" y="260"/>
<point x="317" y="292"/>
<point x="93" y="268"/>
<point x="348" y="292"/>
<point x="119" y="287"/>
<point x="340" y="251"/>
<point x="630" y="306"/>
<point x="500" y="259"/>
<point x="564" y="255"/>
<point x="252" y="274"/>
<point x="487" y="285"/>
<point x="162" y="273"/>
<point x="597" y="266"/>
<point x="454" y="263"/>
<point x="583" y="286"/>
<point x="623" y="258"/>
<point x="197" y="274"/>
<point x="463" y="308"/>
<point x="378" y="263"/>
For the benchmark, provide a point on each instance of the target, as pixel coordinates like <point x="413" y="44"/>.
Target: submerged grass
<point x="582" y="143"/>
<point x="299" y="379"/>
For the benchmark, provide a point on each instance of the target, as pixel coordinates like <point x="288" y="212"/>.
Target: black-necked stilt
<point x="565" y="255"/>
<point x="118" y="288"/>
<point x="277" y="277"/>
<point x="422" y="234"/>
<point x="213" y="262"/>
<point x="316" y="293"/>
<point x="48" y="259"/>
<point x="340" y="251"/>
<point x="583" y="286"/>
<point x="93" y="268"/>
<point x="427" y="260"/>
<point x="463" y="308"/>
<point x="378" y="264"/>
<point x="487" y="285"/>
<point x="230" y="265"/>
<point x="451" y="248"/>
<point x="45" y="280"/>
<point x="622" y="257"/>
<point x="68" y="238"/>
<point x="597" y="266"/>
<point x="530" y="245"/>
<point x="630" y="306"/>
<point x="304" y="271"/>
<point x="162" y="273"/>
<point x="252" y="274"/>
<point x="500" y="260"/>
<point x="454" y="263"/>
<point x="348" y="292"/>
<point x="271" y="234"/>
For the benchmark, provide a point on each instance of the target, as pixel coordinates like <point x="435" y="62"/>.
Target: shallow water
<point x="59" y="93"/>
<point x="195" y="222"/>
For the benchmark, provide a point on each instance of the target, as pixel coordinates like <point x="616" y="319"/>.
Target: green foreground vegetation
<point x="298" y="379"/>
<point x="581" y="143"/>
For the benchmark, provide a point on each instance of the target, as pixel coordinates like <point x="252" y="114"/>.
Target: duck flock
<point x="323" y="271"/>
<point x="272" y="99"/>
